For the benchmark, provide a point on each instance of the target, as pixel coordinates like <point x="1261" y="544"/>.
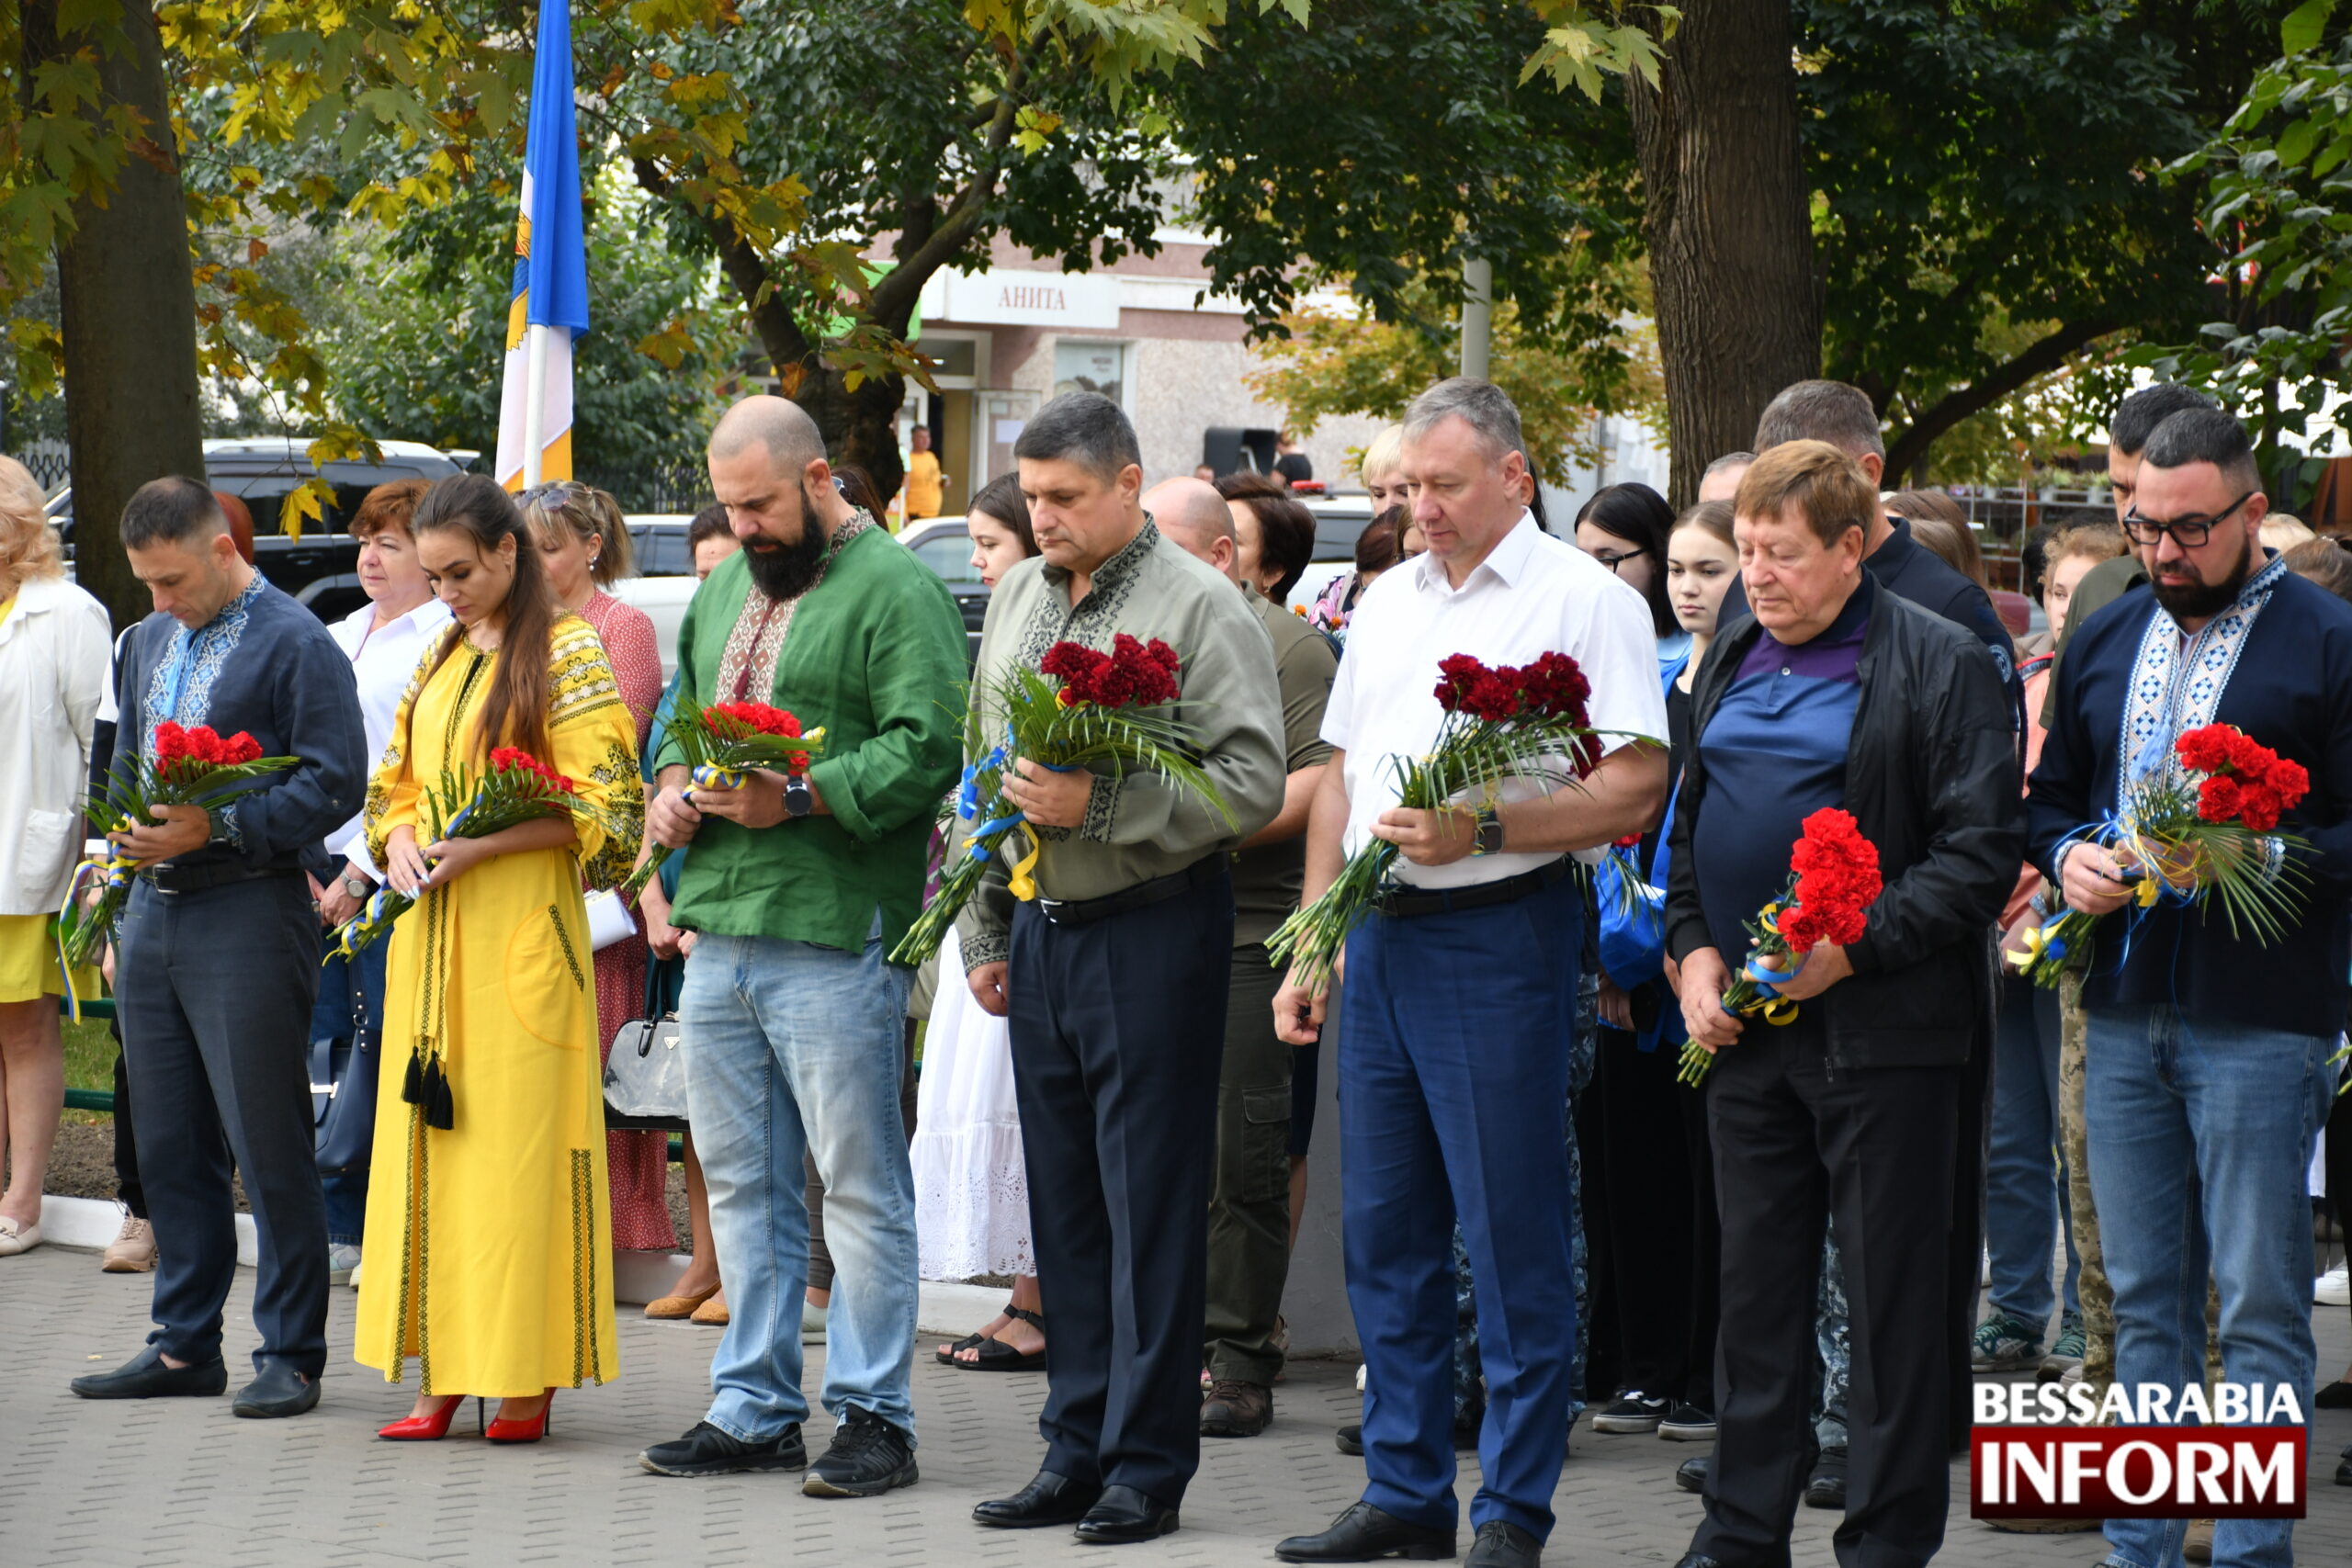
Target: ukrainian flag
<point x="550" y="301"/>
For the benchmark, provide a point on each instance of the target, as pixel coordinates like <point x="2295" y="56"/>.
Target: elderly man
<point x="1250" y="1207"/>
<point x="1836" y="693"/>
<point x="1462" y="990"/>
<point x="2209" y="1062"/>
<point x="217" y="959"/>
<point x="1114" y="978"/>
<point x="797" y="888"/>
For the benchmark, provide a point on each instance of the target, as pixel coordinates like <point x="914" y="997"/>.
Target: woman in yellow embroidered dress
<point x="496" y="1232"/>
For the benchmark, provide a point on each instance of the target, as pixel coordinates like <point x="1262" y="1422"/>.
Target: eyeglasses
<point x="1613" y="559"/>
<point x="2186" y="532"/>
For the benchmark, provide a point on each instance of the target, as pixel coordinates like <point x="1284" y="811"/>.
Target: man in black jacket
<point x="1837" y="694"/>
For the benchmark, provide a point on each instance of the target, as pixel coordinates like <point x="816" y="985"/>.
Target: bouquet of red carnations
<point x="1833" y="878"/>
<point x="188" y="767"/>
<point x="1079" y="708"/>
<point x="516" y="788"/>
<point x="1528" y="721"/>
<point x="722" y="743"/>
<point x="2202" y="833"/>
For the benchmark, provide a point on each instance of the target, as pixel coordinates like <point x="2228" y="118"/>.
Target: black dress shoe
<point x="2344" y="1468"/>
<point x="1503" y="1545"/>
<point x="1364" y="1534"/>
<point x="279" y="1389"/>
<point x="1048" y="1500"/>
<point x="145" y="1376"/>
<point x="1691" y="1473"/>
<point x="1349" y="1438"/>
<point x="1696" y="1560"/>
<point x="1827" y="1489"/>
<point x="1123" y="1514"/>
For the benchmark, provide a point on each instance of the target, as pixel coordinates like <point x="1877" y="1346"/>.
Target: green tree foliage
<point x="2277" y="179"/>
<point x="1986" y="204"/>
<point x="1330" y="364"/>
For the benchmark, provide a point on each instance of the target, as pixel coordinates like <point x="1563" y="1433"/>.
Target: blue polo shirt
<point x="1774" y="751"/>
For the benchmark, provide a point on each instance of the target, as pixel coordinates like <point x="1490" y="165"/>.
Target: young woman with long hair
<point x="492" y="1226"/>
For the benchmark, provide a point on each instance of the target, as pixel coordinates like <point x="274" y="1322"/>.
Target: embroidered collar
<point x="181" y="687"/>
<point x="1112" y="573"/>
<point x="2176" y="683"/>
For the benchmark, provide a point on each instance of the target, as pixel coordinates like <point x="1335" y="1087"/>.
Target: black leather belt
<point x="1407" y="903"/>
<point x="171" y="878"/>
<point x="1142" y="895"/>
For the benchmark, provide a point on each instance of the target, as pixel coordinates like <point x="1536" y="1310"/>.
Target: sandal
<point x="996" y="1356"/>
<point x="947" y="1356"/>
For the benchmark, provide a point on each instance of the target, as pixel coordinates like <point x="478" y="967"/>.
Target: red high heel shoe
<point x="429" y="1428"/>
<point x="504" y="1430"/>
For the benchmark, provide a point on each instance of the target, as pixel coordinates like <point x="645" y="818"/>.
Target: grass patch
<point x="89" y="1062"/>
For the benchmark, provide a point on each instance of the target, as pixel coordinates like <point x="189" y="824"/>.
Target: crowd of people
<point x="1579" y="1173"/>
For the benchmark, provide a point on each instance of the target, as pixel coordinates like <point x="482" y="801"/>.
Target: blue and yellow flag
<point x="551" y="303"/>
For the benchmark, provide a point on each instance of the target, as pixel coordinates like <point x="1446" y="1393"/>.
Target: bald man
<point x="798" y="886"/>
<point x="1249" y="1205"/>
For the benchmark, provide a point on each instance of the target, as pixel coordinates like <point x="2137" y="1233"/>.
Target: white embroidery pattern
<point x="207" y="650"/>
<point x="2163" y="701"/>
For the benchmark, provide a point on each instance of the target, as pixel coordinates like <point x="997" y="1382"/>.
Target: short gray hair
<point x="1483" y="406"/>
<point x="1085" y="428"/>
<point x="1822" y="411"/>
<point x="1727" y="461"/>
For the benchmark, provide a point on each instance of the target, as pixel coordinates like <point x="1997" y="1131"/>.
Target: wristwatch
<point x="1489" y="841"/>
<point x="799" y="800"/>
<point x="358" y="887"/>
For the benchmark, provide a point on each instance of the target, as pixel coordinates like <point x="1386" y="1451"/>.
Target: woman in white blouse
<point x="384" y="641"/>
<point x="53" y="640"/>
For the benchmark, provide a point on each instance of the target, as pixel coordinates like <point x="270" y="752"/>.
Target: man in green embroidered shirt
<point x="791" y="1017"/>
<point x="1114" y="980"/>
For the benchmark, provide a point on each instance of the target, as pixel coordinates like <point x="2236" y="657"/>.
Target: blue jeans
<point x="2201" y="1128"/>
<point x="792" y="1047"/>
<point x="2025" y="1192"/>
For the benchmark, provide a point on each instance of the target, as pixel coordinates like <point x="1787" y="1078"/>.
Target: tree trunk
<point x="1726" y="217"/>
<point x="860" y="428"/>
<point x="133" y="412"/>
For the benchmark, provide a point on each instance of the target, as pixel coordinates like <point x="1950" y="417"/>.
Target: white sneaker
<point x="355" y="1276"/>
<point x="342" y="1261"/>
<point x="2333" y="1288"/>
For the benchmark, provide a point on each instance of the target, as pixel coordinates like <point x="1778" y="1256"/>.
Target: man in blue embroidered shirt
<point x="1836" y="693"/>
<point x="218" y="958"/>
<point x="2208" y="1061"/>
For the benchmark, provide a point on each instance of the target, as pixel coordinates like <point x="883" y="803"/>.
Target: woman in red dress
<point x="584" y="545"/>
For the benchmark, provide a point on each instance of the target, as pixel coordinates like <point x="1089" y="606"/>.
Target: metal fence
<point x="48" y="461"/>
<point x="681" y="487"/>
<point x="2005" y="518"/>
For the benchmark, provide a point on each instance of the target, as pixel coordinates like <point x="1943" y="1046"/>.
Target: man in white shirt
<point x="1462" y="987"/>
<point x="385" y="641"/>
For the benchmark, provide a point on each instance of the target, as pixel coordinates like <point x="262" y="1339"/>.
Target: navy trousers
<point x="1453" y="1051"/>
<point x="1118" y="1034"/>
<point x="214" y="991"/>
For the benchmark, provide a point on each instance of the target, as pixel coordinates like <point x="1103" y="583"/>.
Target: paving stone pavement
<point x="182" y="1483"/>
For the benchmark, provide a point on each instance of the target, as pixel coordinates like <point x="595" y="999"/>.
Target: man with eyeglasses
<point x="2208" y="1066"/>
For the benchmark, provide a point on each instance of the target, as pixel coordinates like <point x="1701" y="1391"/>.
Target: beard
<point x="787" y="571"/>
<point x="2199" y="601"/>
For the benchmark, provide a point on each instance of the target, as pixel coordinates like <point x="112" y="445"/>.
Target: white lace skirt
<point x="971" y="1191"/>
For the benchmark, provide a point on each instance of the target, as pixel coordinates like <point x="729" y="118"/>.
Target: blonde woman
<point x="52" y="671"/>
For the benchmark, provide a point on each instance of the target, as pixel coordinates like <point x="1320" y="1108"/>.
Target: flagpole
<point x="534" y="403"/>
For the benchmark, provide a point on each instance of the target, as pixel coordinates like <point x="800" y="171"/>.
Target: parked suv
<point x="322" y="567"/>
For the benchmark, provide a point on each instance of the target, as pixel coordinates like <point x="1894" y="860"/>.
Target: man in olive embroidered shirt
<point x="798" y="886"/>
<point x="1114" y="979"/>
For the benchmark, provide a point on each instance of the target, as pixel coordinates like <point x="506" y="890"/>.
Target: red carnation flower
<point x="1456" y="674"/>
<point x="2288" y="779"/>
<point x="2205" y="750"/>
<point x="2259" y="805"/>
<point x="2218" y="799"/>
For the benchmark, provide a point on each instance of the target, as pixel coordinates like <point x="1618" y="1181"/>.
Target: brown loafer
<point x="712" y="1314"/>
<point x="668" y="1308"/>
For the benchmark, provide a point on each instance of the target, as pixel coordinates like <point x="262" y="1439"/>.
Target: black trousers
<point x="1796" y="1141"/>
<point x="214" y="995"/>
<point x="1650" y="1226"/>
<point x="1118" y="1030"/>
<point x="1249" y="1257"/>
<point x="126" y="1142"/>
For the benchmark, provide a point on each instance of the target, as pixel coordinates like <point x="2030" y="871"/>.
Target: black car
<point x="322" y="567"/>
<point x="943" y="544"/>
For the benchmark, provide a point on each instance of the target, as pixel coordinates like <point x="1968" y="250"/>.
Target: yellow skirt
<point x="29" y="969"/>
